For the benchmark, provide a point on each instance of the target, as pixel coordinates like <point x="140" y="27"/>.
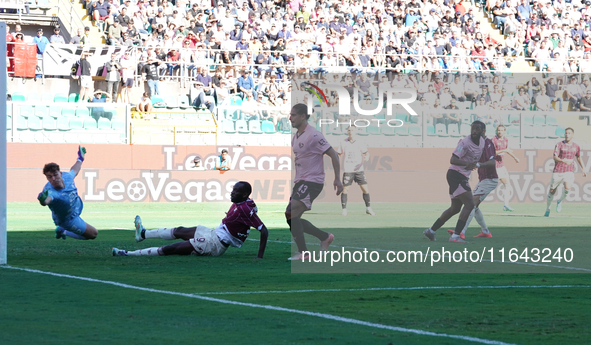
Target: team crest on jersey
<point x="301" y="145"/>
<point x="322" y="142"/>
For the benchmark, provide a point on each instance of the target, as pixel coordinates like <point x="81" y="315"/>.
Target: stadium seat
<point x="34" y="123"/>
<point x="236" y="100"/>
<point x="505" y="120"/>
<point x="539" y="119"/>
<point x="414" y="130"/>
<point x="513" y="131"/>
<point x="338" y="130"/>
<point x="90" y="123"/>
<point x="514" y="119"/>
<point x="387" y="130"/>
<point x="228" y="126"/>
<point x="21" y="123"/>
<point x="76" y="123"/>
<point x="82" y="112"/>
<point x="41" y="111"/>
<point x="267" y="127"/>
<point x="467" y="118"/>
<point x="118" y="125"/>
<point x="47" y="97"/>
<point x="104" y="124"/>
<point x="242" y="127"/>
<point x="158" y="102"/>
<point x="183" y="102"/>
<point x="528" y="119"/>
<point x="540" y="131"/>
<point x="551" y="131"/>
<point x="431" y="131"/>
<point x="560" y="131"/>
<point x="55" y="111"/>
<point x="18" y="97"/>
<point x="60" y="97"/>
<point x="171" y="102"/>
<point x="233" y="114"/>
<point x="362" y="131"/>
<point x="73" y="98"/>
<point x="49" y="123"/>
<point x="26" y="110"/>
<point x="402" y="130"/>
<point x="69" y="111"/>
<point x="373" y="129"/>
<point x="528" y="131"/>
<point x="402" y="117"/>
<point x="255" y="127"/>
<point x="33" y="98"/>
<point x="465" y="130"/>
<point x="453" y="130"/>
<point x="551" y="120"/>
<point x="441" y="130"/>
<point x="63" y="123"/>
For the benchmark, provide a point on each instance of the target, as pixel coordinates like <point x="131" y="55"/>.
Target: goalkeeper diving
<point x="61" y="195"/>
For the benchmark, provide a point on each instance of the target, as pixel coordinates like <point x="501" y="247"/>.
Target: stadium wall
<point x="134" y="173"/>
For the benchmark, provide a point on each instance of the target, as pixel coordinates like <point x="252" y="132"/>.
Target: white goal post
<point x="3" y="92"/>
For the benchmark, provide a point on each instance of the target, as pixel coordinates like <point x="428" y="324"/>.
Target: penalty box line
<point x="468" y="287"/>
<point x="267" y="307"/>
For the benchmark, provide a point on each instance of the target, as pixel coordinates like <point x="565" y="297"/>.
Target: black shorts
<point x="458" y="184"/>
<point x="127" y="82"/>
<point x="358" y="177"/>
<point x="306" y="192"/>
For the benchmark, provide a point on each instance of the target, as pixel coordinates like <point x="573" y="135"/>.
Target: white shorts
<point x="502" y="172"/>
<point x="558" y="178"/>
<point x="206" y="242"/>
<point x="86" y="81"/>
<point x="484" y="187"/>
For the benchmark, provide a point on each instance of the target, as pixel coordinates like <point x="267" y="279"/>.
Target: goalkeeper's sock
<point x="73" y="235"/>
<point x="564" y="194"/>
<point x="163" y="233"/>
<point x="153" y="251"/>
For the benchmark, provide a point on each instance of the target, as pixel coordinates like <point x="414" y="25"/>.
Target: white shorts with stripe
<point x="206" y="242"/>
<point x="485" y="187"/>
<point x="558" y="178"/>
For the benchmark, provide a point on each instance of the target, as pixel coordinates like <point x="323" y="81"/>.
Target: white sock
<point x="480" y="219"/>
<point x="154" y="251"/>
<point x="163" y="233"/>
<point x="74" y="235"/>
<point x="468" y="221"/>
<point x="549" y="200"/>
<point x="506" y="195"/>
<point x="564" y="194"/>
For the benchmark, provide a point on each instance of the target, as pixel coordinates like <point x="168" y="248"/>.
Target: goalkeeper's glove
<point x="43" y="195"/>
<point x="81" y="153"/>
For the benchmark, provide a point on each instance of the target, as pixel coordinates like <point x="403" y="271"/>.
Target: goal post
<point x="3" y="93"/>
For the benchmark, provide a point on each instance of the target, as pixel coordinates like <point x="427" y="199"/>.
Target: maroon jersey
<point x="488" y="153"/>
<point x="240" y="218"/>
<point x="500" y="144"/>
<point x="566" y="151"/>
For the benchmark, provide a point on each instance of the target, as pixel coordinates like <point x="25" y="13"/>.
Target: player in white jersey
<point x="355" y="153"/>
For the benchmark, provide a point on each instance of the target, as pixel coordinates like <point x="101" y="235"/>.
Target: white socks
<point x="164" y="233"/>
<point x="549" y="200"/>
<point x="154" y="251"/>
<point x="506" y="195"/>
<point x="476" y="213"/>
<point x="564" y="194"/>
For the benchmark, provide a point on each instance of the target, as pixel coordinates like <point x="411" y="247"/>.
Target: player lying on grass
<point x="203" y="241"/>
<point x="61" y="195"/>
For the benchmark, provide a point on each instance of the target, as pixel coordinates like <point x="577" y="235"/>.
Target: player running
<point x="463" y="160"/>
<point x="502" y="146"/>
<point x="203" y="241"/>
<point x="564" y="170"/>
<point x="488" y="181"/>
<point x="309" y="147"/>
<point x="61" y="195"/>
<point x="355" y="153"/>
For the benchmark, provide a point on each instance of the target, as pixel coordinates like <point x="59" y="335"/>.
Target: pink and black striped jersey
<point x="566" y="151"/>
<point x="500" y="144"/>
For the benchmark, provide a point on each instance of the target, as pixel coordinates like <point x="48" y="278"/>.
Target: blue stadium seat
<point x="551" y="132"/>
<point x="431" y="131"/>
<point x="60" y="97"/>
<point x="73" y="98"/>
<point x="539" y="119"/>
<point x="18" y="97"/>
<point x="560" y="131"/>
<point x="505" y="120"/>
<point x="26" y="110"/>
<point x="41" y="111"/>
<point x="236" y="100"/>
<point x="514" y="119"/>
<point x="402" y="130"/>
<point x="528" y="131"/>
<point x="68" y="111"/>
<point x="441" y="130"/>
<point x="76" y="123"/>
<point x="513" y="131"/>
<point x="118" y="125"/>
<point x="267" y="127"/>
<point x="82" y="112"/>
<point x="228" y="126"/>
<point x="362" y="131"/>
<point x="63" y="123"/>
<point x="465" y="130"/>
<point x="33" y="98"/>
<point x="34" y="123"/>
<point x="387" y="130"/>
<point x="171" y="102"/>
<point x="373" y="129"/>
<point x="104" y="124"/>
<point x="21" y="123"/>
<point x="414" y="130"/>
<point x="540" y="131"/>
<point x="255" y="127"/>
<point x="242" y="127"/>
<point x="402" y="117"/>
<point x="453" y="130"/>
<point x="528" y="119"/>
<point x="158" y="102"/>
<point x="183" y="102"/>
<point x="551" y="120"/>
<point x="49" y="123"/>
<point x="55" y="111"/>
<point x="90" y="123"/>
<point x="47" y="97"/>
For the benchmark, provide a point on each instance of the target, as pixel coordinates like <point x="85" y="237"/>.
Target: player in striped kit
<point x="203" y="241"/>
<point x="502" y="147"/>
<point x="355" y="153"/>
<point x="564" y="170"/>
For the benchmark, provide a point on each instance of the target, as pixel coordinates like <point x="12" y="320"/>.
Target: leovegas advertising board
<point x="142" y="173"/>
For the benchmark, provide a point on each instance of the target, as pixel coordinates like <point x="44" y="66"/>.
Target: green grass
<point x="39" y="308"/>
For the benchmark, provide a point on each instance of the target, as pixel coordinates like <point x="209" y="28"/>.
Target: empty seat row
<point x="250" y="127"/>
<point x="63" y="123"/>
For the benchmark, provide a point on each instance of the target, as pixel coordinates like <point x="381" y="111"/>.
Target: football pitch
<point x="74" y="292"/>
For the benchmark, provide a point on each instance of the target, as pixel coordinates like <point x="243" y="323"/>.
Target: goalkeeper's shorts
<point x="75" y="225"/>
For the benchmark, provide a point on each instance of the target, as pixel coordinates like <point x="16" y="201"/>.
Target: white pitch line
<point x="270" y="307"/>
<point x="399" y="289"/>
